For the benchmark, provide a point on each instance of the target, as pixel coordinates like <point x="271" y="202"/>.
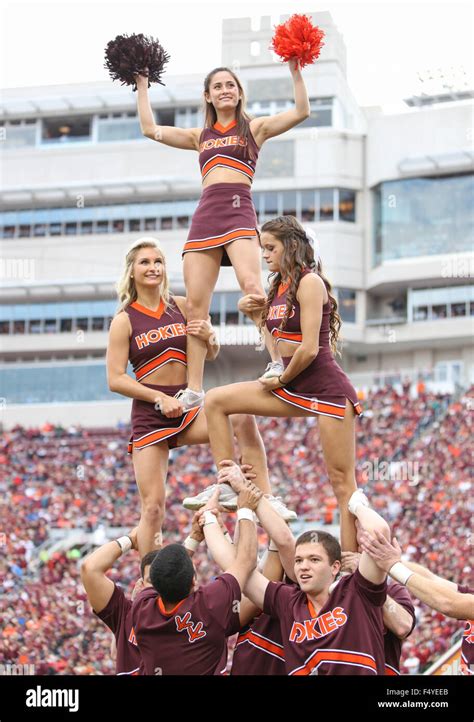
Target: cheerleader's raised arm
<point x="184" y="138"/>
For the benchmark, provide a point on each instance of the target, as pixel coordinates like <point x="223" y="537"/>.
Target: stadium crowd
<point x="413" y="459"/>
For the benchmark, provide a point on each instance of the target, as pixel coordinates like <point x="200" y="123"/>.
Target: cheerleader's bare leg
<point x="201" y="270"/>
<point x="245" y="257"/>
<point x="151" y="466"/>
<point x="251" y="448"/>
<point x="338" y="444"/>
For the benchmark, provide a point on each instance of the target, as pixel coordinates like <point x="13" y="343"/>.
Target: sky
<point x="387" y="42"/>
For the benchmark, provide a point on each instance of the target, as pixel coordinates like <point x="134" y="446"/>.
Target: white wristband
<point x="272" y="547"/>
<point x="191" y="544"/>
<point x="400" y="573"/>
<point x="209" y="518"/>
<point x="125" y="543"/>
<point x="245" y="513"/>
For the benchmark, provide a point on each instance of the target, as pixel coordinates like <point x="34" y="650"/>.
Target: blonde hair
<point x="125" y="287"/>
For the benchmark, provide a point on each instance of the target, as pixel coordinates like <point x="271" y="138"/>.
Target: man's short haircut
<point x="172" y="573"/>
<point x="328" y="541"/>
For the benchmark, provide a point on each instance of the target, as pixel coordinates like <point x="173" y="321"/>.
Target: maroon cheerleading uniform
<point x="392" y="644"/>
<point x="259" y="648"/>
<point x="117" y="615"/>
<point x="192" y="637"/>
<point x="322" y="387"/>
<point x="225" y="211"/>
<point x="345" y="637"/>
<point x="467" y="646"/>
<point x="158" y="337"/>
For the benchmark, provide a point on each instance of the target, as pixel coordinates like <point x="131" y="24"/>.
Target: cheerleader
<point x="150" y="331"/>
<point x="301" y="315"/>
<point x="224" y="226"/>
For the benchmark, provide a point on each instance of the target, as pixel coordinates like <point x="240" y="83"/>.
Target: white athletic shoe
<point x="273" y="370"/>
<point x="190" y="399"/>
<point x="358" y="497"/>
<point x="227" y="498"/>
<point x="285" y="513"/>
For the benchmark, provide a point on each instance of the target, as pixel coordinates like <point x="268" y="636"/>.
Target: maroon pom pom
<point x="298" y="38"/>
<point x="128" y="55"/>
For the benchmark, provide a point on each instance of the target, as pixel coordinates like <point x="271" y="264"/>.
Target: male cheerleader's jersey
<point x="158" y="337"/>
<point x="220" y="147"/>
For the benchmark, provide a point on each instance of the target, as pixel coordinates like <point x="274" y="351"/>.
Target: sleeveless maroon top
<point x="220" y="147"/>
<point x="292" y="331"/>
<point x="158" y="337"/>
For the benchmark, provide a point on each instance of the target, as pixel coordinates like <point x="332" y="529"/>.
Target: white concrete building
<point x="390" y="198"/>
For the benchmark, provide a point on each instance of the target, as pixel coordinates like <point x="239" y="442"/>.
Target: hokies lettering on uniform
<point x="275" y="312"/>
<point x="318" y="627"/>
<point x="222" y="142"/>
<point x="159" y="334"/>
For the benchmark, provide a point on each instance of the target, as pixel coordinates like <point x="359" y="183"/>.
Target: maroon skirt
<point x="321" y="388"/>
<point x="149" y="426"/>
<point x="224" y="214"/>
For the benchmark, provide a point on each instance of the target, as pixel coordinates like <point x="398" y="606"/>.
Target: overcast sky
<point x="387" y="42"/>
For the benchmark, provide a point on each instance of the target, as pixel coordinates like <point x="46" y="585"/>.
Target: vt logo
<point x="185" y="623"/>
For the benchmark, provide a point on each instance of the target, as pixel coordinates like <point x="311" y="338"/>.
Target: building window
<point x="347" y="206"/>
<point x="326" y="204"/>
<point x="65" y="130"/>
<point x="346" y="301"/>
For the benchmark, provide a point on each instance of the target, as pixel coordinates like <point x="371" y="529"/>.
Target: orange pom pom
<point x="298" y="38"/>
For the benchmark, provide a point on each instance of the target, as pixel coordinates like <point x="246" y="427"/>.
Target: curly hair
<point x="298" y="254"/>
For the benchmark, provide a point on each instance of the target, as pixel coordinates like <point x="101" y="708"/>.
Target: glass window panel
<point x="307" y="205"/>
<point x="39" y="229"/>
<point x="439" y="311"/>
<point x="34" y="326"/>
<point x="98" y="323"/>
<point x="458" y="309"/>
<point x="25" y="231"/>
<point x="420" y="313"/>
<point x="55" y="229"/>
<point x="19" y="136"/>
<point x="270" y="201"/>
<point x="118" y="226"/>
<point x="347" y="304"/>
<point x="183" y="222"/>
<point x="50" y="325"/>
<point x="326" y="201"/>
<point x="135" y="224"/>
<point x="347" y="205"/>
<point x="289" y="203"/>
<point x="82" y="324"/>
<point x="86" y="228"/>
<point x="150" y="224"/>
<point x="65" y="325"/>
<point x="71" y="229"/>
<point x="166" y="224"/>
<point x="4" y="327"/>
<point x="424" y="216"/>
<point x="102" y="227"/>
<point x="19" y="327"/>
<point x="65" y="129"/>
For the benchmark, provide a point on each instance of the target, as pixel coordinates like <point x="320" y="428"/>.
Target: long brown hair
<point x="294" y="259"/>
<point x="241" y="116"/>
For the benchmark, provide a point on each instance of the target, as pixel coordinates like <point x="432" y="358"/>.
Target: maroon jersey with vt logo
<point x="117" y="615"/>
<point x="346" y="637"/>
<point x="190" y="638"/>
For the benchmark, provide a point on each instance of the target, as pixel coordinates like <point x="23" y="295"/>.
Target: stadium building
<point x="389" y="197"/>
